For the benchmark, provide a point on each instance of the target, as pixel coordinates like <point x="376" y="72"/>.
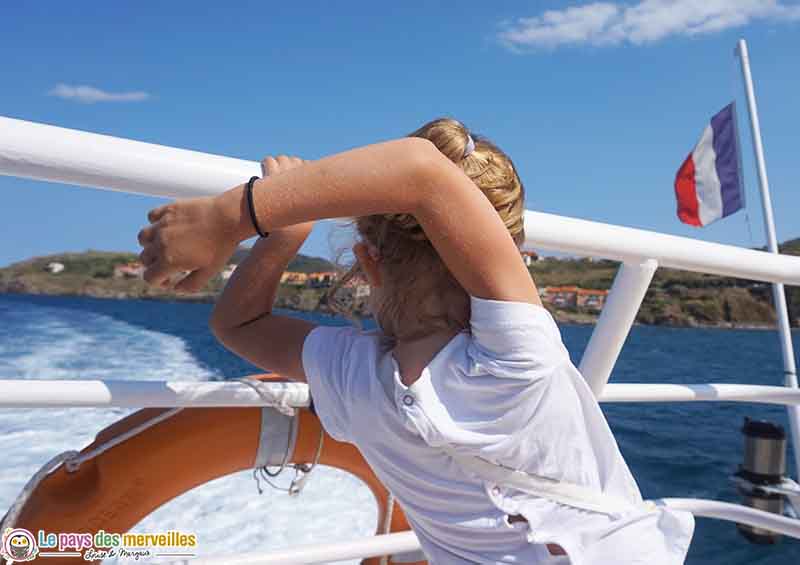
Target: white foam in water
<point x="228" y="515"/>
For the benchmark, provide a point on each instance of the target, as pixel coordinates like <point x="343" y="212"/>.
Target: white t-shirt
<point x="507" y="392"/>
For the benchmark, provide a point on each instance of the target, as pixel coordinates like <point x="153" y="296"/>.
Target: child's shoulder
<point x="496" y="315"/>
<point x="515" y="338"/>
<point x="340" y="340"/>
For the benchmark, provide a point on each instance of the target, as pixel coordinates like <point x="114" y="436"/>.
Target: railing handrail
<point x="19" y="393"/>
<point x="44" y="152"/>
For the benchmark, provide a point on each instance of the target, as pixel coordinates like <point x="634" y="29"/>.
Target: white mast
<point x="789" y="368"/>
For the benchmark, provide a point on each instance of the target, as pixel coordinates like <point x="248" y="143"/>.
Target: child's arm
<point x="242" y="318"/>
<point x="404" y="176"/>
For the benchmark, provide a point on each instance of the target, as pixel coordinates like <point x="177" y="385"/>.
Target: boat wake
<point x="228" y="515"/>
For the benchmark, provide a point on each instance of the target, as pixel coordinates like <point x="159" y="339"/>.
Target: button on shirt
<point x="507" y="392"/>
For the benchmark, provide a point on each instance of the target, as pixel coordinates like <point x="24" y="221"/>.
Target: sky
<point x="598" y="103"/>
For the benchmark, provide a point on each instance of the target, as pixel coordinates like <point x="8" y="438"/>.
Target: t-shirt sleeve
<point x="327" y="360"/>
<point x="515" y="339"/>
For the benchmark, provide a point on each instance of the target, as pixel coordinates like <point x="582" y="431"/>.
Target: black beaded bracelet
<point x="252" y="209"/>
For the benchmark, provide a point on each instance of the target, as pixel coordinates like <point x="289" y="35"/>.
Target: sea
<point x="674" y="449"/>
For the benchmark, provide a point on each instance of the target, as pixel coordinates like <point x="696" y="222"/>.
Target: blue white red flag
<point x="709" y="184"/>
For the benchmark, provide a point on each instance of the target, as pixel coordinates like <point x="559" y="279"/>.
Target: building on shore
<point x="54" y="267"/>
<point x="133" y="270"/>
<point x="591" y="299"/>
<point x="297" y="279"/>
<point x="561" y="296"/>
<point x="574" y="297"/>
<point x="530" y="257"/>
<point x="321" y="280"/>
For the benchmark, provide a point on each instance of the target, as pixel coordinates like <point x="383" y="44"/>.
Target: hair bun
<point x="451" y="137"/>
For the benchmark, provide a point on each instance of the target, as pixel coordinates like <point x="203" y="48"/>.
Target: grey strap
<point x="277" y="438"/>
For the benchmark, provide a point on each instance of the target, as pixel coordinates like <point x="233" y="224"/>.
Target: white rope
<point x="72" y="465"/>
<point x="301" y="472"/>
<point x="298" y="484"/>
<point x="10" y="519"/>
<point x="275" y="397"/>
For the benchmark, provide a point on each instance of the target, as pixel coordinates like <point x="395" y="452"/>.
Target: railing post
<point x="784" y="326"/>
<point x="616" y="319"/>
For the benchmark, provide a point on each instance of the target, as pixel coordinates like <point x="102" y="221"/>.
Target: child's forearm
<point x="338" y="186"/>
<point x="250" y="292"/>
<point x="404" y="176"/>
<point x="407" y="176"/>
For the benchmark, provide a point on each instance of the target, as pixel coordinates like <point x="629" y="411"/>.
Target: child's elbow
<point x="219" y="329"/>
<point x="432" y="170"/>
<point x="423" y="159"/>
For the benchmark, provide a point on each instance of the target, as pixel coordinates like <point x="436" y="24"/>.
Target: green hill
<point x="679" y="297"/>
<point x="674" y="297"/>
<point x="300" y="264"/>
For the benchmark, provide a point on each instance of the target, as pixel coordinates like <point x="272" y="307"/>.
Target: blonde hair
<point x="414" y="274"/>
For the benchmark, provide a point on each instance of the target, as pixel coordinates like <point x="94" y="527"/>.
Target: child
<point x="467" y="387"/>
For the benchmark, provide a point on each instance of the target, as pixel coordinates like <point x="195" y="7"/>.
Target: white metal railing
<point x="56" y="154"/>
<point x="145" y="394"/>
<point x="407" y="541"/>
<point x="16" y="393"/>
<point x="375" y="546"/>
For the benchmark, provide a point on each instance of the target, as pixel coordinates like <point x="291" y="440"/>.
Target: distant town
<point x="589" y="299"/>
<point x="573" y="289"/>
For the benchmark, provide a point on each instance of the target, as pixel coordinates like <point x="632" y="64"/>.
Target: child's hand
<point x="271" y="166"/>
<point x="194" y="236"/>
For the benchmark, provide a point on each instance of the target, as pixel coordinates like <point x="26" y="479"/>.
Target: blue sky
<point x="598" y="103"/>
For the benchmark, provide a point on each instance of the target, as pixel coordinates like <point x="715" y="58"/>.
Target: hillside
<point x="92" y="273"/>
<point x="300" y="264"/>
<point x="674" y="298"/>
<point x="679" y="297"/>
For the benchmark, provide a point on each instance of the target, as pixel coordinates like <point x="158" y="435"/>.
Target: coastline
<point x="674" y="299"/>
<point x="286" y="303"/>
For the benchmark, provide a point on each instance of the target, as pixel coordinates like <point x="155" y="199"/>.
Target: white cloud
<point x="90" y="95"/>
<point x="607" y="23"/>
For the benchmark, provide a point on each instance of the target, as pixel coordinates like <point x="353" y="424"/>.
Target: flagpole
<point x="789" y="368"/>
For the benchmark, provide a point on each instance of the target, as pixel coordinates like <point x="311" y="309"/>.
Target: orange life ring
<point x="122" y="485"/>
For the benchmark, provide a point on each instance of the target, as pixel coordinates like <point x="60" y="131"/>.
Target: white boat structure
<point x="54" y="154"/>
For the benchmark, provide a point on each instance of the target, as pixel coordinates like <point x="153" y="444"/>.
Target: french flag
<point x="709" y="183"/>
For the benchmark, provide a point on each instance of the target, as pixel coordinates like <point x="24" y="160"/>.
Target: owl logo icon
<point x="18" y="545"/>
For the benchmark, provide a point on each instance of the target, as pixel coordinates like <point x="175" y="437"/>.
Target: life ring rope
<point x="73" y="464"/>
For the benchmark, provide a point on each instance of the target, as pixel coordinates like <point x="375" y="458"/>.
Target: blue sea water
<point x="673" y="449"/>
